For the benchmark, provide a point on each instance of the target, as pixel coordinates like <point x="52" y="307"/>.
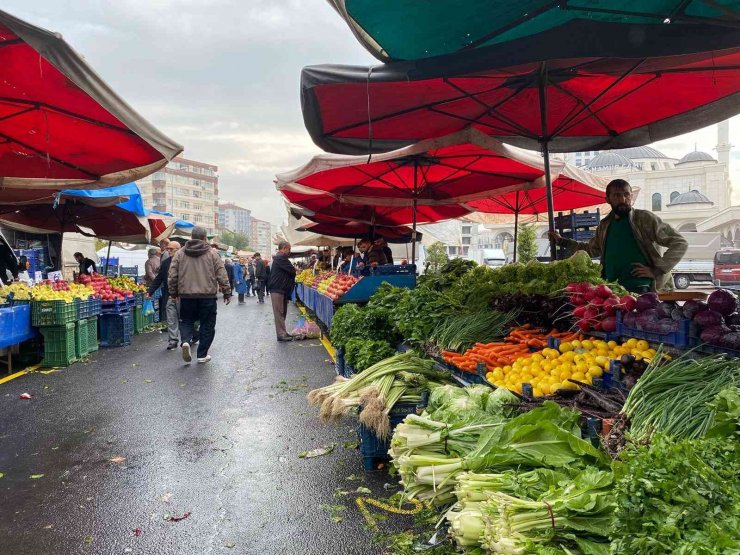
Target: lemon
<point x="580" y="376"/>
<point x="630" y="343"/>
<point x="566" y="347"/>
<point x="569" y="385"/>
<point x="642" y="345"/>
<point x="612" y="344"/>
<point x="537" y="357"/>
<point x="537" y="392"/>
<point x="564" y="375"/>
<point x="586" y="344"/>
<point x="595" y="372"/>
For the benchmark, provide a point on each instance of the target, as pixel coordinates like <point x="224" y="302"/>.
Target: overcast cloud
<point x="222" y="77"/>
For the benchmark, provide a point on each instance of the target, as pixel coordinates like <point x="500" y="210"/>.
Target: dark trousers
<point x="204" y="311"/>
<point x="260" y="289"/>
<point x="241" y="296"/>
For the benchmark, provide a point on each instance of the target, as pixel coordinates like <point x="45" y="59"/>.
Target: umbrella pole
<point x="413" y="212"/>
<point x="546" y="155"/>
<point x="516" y="228"/>
<point x="107" y="258"/>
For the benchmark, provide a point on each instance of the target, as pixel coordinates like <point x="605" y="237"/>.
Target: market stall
<point x="521" y="385"/>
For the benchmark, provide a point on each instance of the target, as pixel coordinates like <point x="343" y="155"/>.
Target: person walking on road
<point x="260" y="277"/>
<point x="249" y="274"/>
<point x="229" y="265"/>
<point x="282" y="281"/>
<point x="151" y="266"/>
<point x="171" y="312"/>
<point x="196" y="275"/>
<point x="240" y="280"/>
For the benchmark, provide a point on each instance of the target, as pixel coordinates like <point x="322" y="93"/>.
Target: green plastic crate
<point x="92" y="334"/>
<point x="52" y="313"/>
<point x="59" y="345"/>
<point x="139" y="320"/>
<point x="81" y="338"/>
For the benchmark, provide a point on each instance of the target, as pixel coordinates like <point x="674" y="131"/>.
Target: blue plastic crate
<point x="6" y="322"/>
<point x="116" y="330"/>
<point x="709" y="349"/>
<point x="339" y="362"/>
<point x="114" y="307"/>
<point x="680" y="339"/>
<point x="157" y="294"/>
<point x="88" y="308"/>
<point x="579" y="235"/>
<point x="375" y="450"/>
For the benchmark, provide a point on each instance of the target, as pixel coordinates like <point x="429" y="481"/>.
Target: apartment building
<point x="235" y="218"/>
<point x="260" y="237"/>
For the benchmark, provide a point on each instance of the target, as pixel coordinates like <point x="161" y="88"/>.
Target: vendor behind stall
<point x="627" y="241"/>
<point x="8" y="263"/>
<point x="87" y="266"/>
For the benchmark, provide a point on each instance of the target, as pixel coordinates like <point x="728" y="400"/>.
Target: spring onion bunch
<point x="674" y="398"/>
<point x="460" y="331"/>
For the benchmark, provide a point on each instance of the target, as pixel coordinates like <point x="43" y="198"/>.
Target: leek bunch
<point x="376" y="390"/>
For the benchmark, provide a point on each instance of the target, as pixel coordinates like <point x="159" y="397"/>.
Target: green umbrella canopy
<point x="395" y="30"/>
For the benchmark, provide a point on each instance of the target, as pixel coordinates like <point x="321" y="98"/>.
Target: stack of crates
<point x="57" y="322"/>
<point x="88" y="311"/>
<point x="116" y="323"/>
<point x="580" y="227"/>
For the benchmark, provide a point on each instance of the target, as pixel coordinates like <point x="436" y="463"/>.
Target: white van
<point x="492" y="257"/>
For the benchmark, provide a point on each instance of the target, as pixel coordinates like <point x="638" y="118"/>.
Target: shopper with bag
<point x="241" y="285"/>
<point x="196" y="275"/>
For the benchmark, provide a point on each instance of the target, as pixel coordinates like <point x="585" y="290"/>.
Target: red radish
<point x="610" y="306"/>
<point x="589" y="295"/>
<point x="584" y="286"/>
<point x="577" y="299"/>
<point x="572" y="288"/>
<point x="609" y="324"/>
<point x="579" y="311"/>
<point x="628" y="302"/>
<point x="591" y="313"/>
<point x="603" y="291"/>
<point x="598" y="326"/>
<point x="597" y="301"/>
<point x="583" y="325"/>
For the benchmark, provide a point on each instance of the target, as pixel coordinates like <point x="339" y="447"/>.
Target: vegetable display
<point x="460" y="331"/>
<point x="595" y="306"/>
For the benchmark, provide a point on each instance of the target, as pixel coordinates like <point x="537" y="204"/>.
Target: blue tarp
<point x="130" y="192"/>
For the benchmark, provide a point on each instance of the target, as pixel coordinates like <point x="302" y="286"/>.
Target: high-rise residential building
<point x="187" y="189"/>
<point x="234" y="218"/>
<point x="579" y="159"/>
<point x="260" y="238"/>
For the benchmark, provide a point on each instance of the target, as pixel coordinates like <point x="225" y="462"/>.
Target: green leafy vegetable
<point x="459" y="332"/>
<point x="363" y="353"/>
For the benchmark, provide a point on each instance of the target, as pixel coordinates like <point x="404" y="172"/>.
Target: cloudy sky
<point x="222" y="77"/>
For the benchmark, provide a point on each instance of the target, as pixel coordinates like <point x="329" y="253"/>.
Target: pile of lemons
<point x="550" y="369"/>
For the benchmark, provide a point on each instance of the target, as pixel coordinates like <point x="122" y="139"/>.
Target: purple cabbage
<point x="647" y="301"/>
<point x="723" y="301"/>
<point x="730" y="340"/>
<point x="708" y="319"/>
<point x="713" y="335"/>
<point x="646" y="320"/>
<point x="733" y="319"/>
<point x="629" y="319"/>
<point x="665" y="309"/>
<point x="692" y="308"/>
<point x="677" y="314"/>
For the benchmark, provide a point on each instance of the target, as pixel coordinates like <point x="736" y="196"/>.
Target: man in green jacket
<point x="627" y="242"/>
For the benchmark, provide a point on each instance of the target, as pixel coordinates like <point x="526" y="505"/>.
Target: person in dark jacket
<point x="229" y="265"/>
<point x="267" y="277"/>
<point x="251" y="290"/>
<point x="171" y="309"/>
<point x="383" y="245"/>
<point x="280" y="284"/>
<point x="87" y="266"/>
<point x="260" y="277"/>
<point x="8" y="263"/>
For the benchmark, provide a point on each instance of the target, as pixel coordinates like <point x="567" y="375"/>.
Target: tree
<point x="526" y="248"/>
<point x="436" y="257"/>
<point x="237" y="240"/>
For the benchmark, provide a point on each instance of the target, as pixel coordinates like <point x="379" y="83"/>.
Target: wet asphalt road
<point x="220" y="441"/>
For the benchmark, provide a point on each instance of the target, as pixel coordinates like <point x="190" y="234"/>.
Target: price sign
<point x="56" y="276"/>
<point x="38" y="277"/>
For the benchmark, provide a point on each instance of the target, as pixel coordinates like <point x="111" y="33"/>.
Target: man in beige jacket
<point x="196" y="274"/>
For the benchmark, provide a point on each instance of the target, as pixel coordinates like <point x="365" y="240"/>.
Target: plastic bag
<point x="305" y="329"/>
<point x="148" y="307"/>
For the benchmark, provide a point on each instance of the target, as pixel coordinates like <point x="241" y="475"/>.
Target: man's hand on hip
<point x="640" y="270"/>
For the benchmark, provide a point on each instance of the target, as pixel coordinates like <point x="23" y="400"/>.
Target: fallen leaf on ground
<point x="25" y="396"/>
<point x="49" y="371"/>
<point x="361" y="489"/>
<point x="88" y="540"/>
<point x="118" y="460"/>
<point x="177" y="518"/>
<point x="36" y="476"/>
<point x="230" y="545"/>
<point x="351" y="445"/>
<point x="354" y="478"/>
<point x="148" y="381"/>
<point x="166" y="497"/>
<point x="137" y="532"/>
<point x="318" y="452"/>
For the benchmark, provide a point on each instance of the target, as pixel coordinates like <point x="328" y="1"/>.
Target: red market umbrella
<point x="360" y="230"/>
<point x="109" y="223"/>
<point x="560" y="105"/>
<point x="458" y="169"/>
<point x="61" y="125"/>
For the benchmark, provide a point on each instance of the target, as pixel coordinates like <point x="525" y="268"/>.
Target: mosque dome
<point x="607" y="160"/>
<point x="641" y="152"/>
<point x="692" y="197"/>
<point x="696" y="156"/>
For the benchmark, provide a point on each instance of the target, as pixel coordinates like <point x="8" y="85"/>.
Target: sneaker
<point x="186" y="356"/>
<point x="204" y="359"/>
<point x="171" y="346"/>
<point x="286" y="338"/>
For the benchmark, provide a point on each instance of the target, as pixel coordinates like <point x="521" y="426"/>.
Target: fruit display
<point x="19" y="291"/>
<point x="595" y="306"/>
<point x="328" y="283"/>
<point x="323" y="286"/>
<point x="126" y="283"/>
<point x="551" y="369"/>
<point x="304" y="276"/>
<point x="60" y="291"/>
<point x="109" y="289"/>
